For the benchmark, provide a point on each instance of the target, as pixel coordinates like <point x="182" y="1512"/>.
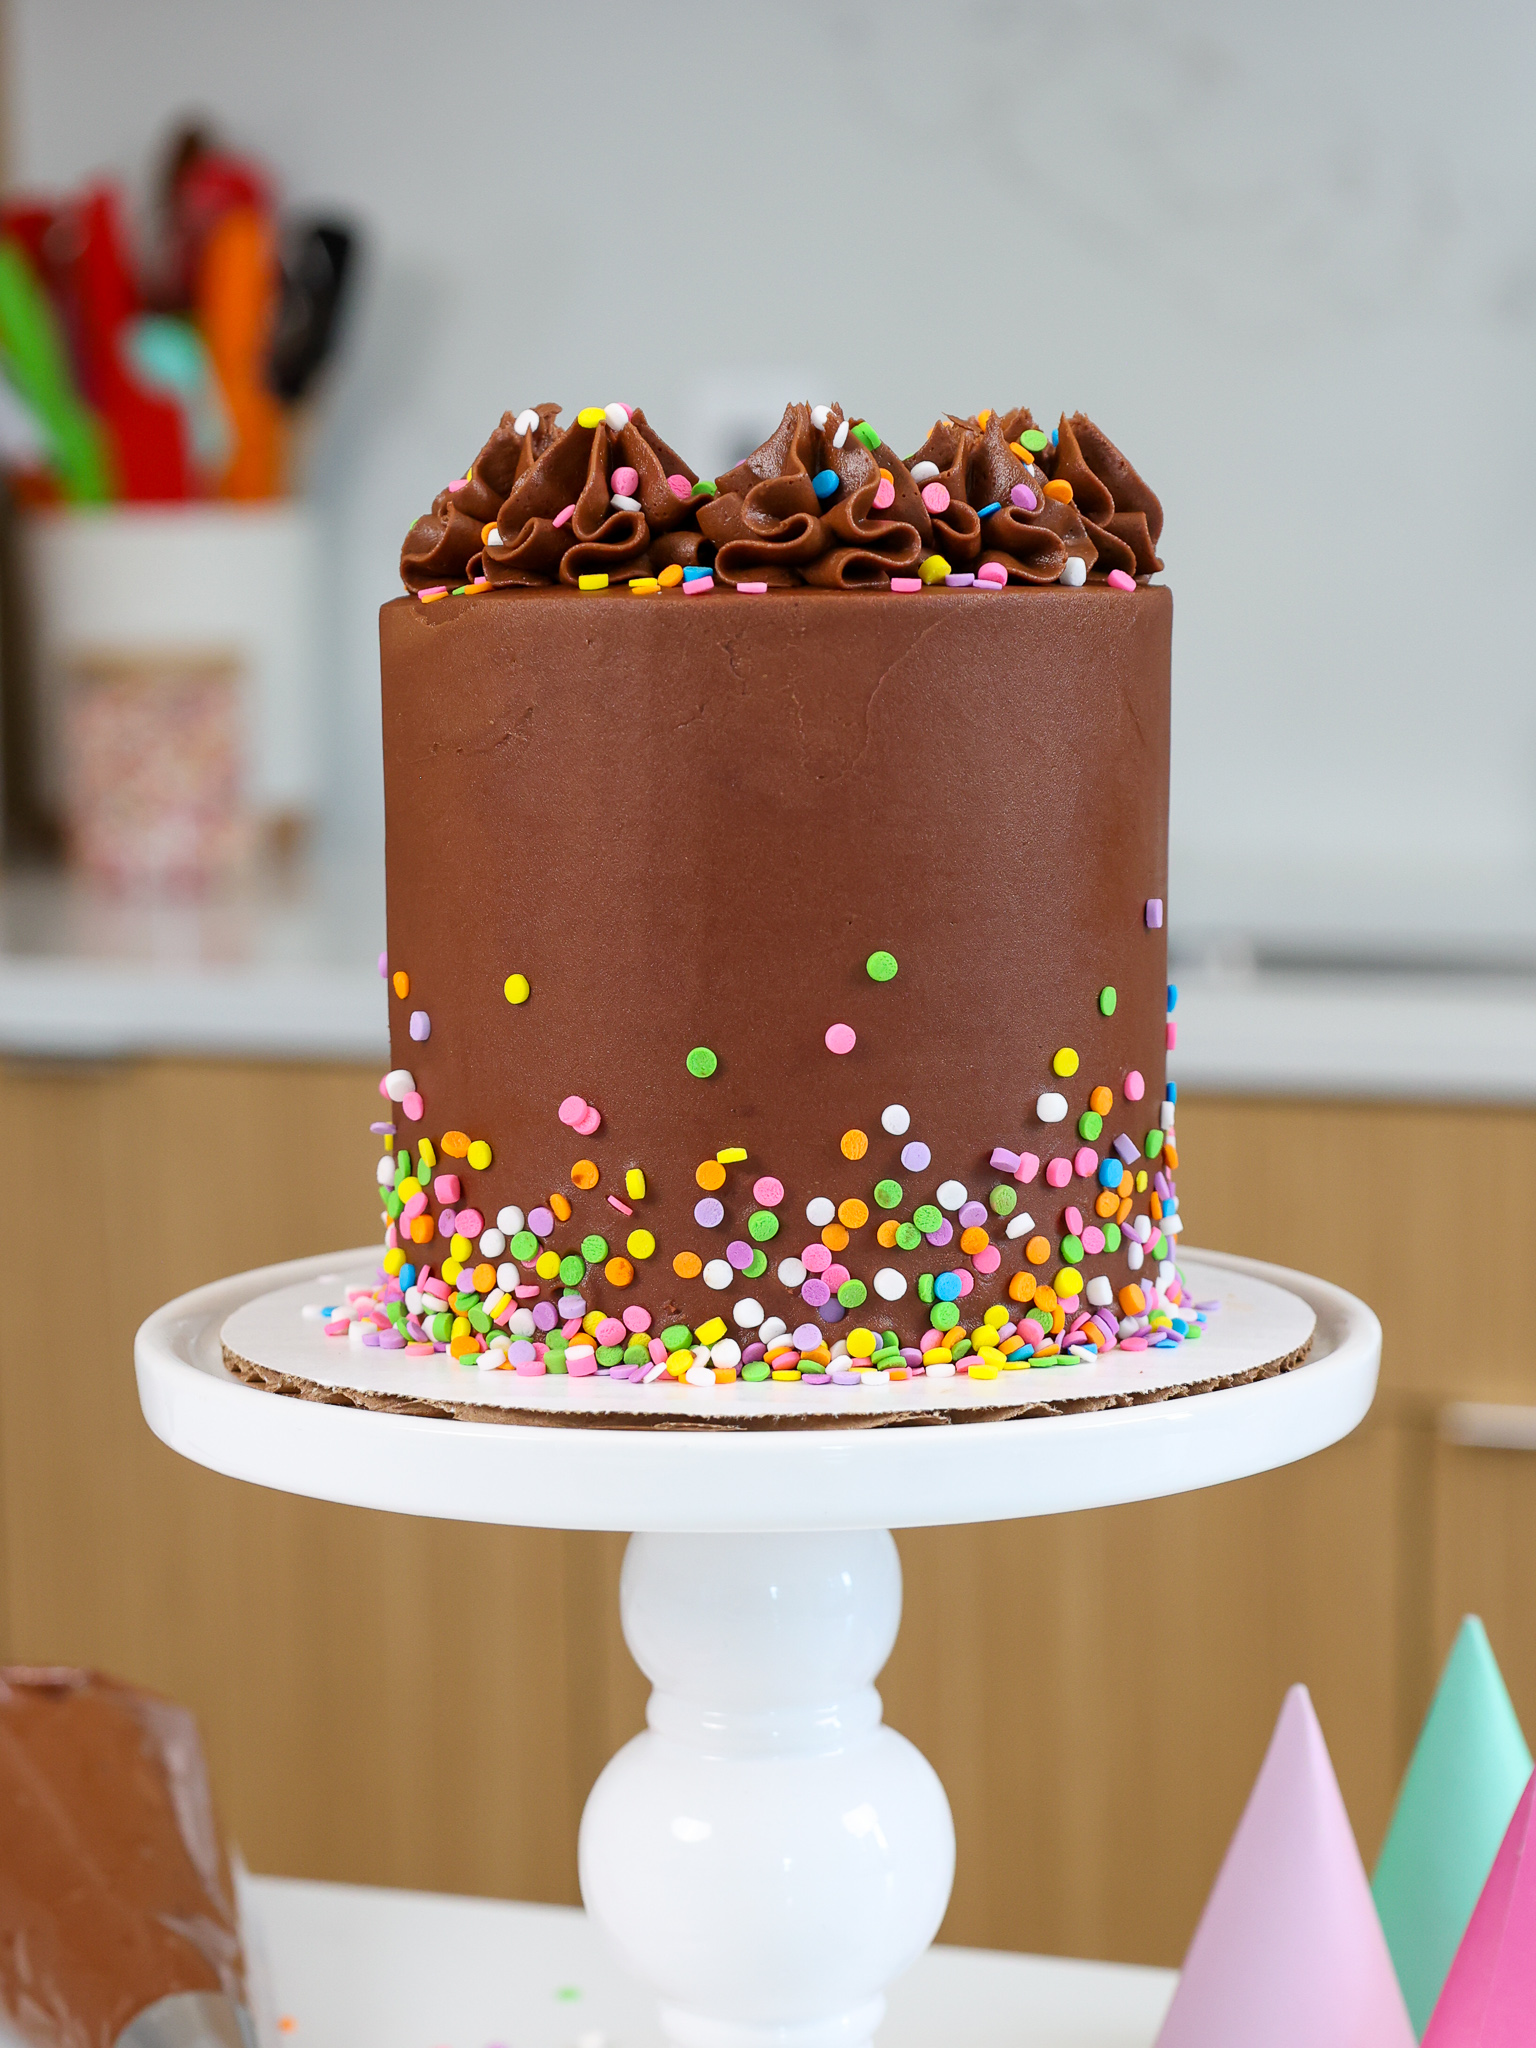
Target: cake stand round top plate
<point x="783" y="1479"/>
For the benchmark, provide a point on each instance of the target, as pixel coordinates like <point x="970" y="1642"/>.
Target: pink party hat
<point x="1489" y="2000"/>
<point x="1289" y="1952"/>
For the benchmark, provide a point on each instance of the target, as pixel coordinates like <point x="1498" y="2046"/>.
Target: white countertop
<point x="345" y="1966"/>
<point x="288" y="969"/>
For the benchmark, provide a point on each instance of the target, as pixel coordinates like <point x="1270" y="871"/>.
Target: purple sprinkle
<point x="814" y="1292"/>
<point x="916" y="1156"/>
<point x="816" y="1379"/>
<point x="383" y="967"/>
<point x="421" y="1025"/>
<point x="838" y="1379"/>
<point x="805" y="1337"/>
<point x="445" y="1222"/>
<point x="391" y="1340"/>
<point x="911" y="1355"/>
<point x="1004" y="1161"/>
<point x="962" y="582"/>
<point x="739" y="1254"/>
<point x="382" y="1130"/>
<point x="370" y="1335"/>
<point x="1024" y="498"/>
<point x="1127" y="1151"/>
<point x="440" y="1347"/>
<point x="541" y="1221"/>
<point x="831" y="1311"/>
<point x="1161" y="1183"/>
<point x="572" y="1305"/>
<point x="1154" y="913"/>
<point x="544" y="1317"/>
<point x="972" y="1214"/>
<point x="753" y="1353"/>
<point x="709" y="1213"/>
<point x="942" y="1235"/>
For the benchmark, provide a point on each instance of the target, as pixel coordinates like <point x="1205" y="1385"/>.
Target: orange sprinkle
<point x="1059" y="489"/>
<point x="1046" y="1297"/>
<point x="1171" y="1154"/>
<point x="1124" y="1210"/>
<point x="853" y="1144"/>
<point x="584" y="1174"/>
<point x="1107" y="1203"/>
<point x="974" y="1240"/>
<point x="484" y="1279"/>
<point x="1038" y="1250"/>
<point x="853" y="1212"/>
<point x="618" y="1272"/>
<point x="1103" y="1100"/>
<point x="983" y="416"/>
<point x="421" y="1229"/>
<point x="710" y="1175"/>
<point x="287" y="2024"/>
<point x="1132" y="1300"/>
<point x="670" y="577"/>
<point x="561" y="1207"/>
<point x="1157" y="1208"/>
<point x="885" y="1236"/>
<point x="402" y="983"/>
<point x="455" y="1144"/>
<point x="835" y="1238"/>
<point x="687" y="1265"/>
<point x="1022" y="1287"/>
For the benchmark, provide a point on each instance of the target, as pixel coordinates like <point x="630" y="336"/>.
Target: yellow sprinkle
<point x="1141" y="1183"/>
<point x="590" y="416"/>
<point x="590" y="1321"/>
<point x="1014" y="1361"/>
<point x="712" y="1331"/>
<point x="1068" y="1283"/>
<point x="943" y="1356"/>
<point x="427" y="1153"/>
<point x="515" y="988"/>
<point x="732" y="1155"/>
<point x="634" y="1184"/>
<point x="639" y="1244"/>
<point x="934" y="569"/>
<point x="678" y="1362"/>
<point x="983" y="1372"/>
<point x="598" y="581"/>
<point x="1065" y="1063"/>
<point x="451" y="1271"/>
<point x="479" y="1155"/>
<point x="460" y="1246"/>
<point x="862" y="1343"/>
<point x="997" y="1315"/>
<point x="644" y="586"/>
<point x="393" y="1261"/>
<point x="461" y="1326"/>
<point x="547" y="1265"/>
<point x="790" y="1375"/>
<point x="408" y="1187"/>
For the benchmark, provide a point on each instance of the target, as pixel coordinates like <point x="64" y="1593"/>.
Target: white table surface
<point x="287" y="968"/>
<point x="348" y="1966"/>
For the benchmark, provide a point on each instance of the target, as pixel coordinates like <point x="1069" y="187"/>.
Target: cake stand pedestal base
<point x="768" y="1855"/>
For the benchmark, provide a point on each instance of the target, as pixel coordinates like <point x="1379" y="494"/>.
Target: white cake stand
<point x="768" y="1855"/>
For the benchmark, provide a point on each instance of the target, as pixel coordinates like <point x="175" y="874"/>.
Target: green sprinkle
<point x="702" y="1062"/>
<point x="881" y="966"/>
<point x="594" y="1249"/>
<point x="1107" y="1001"/>
<point x="466" y="1298"/>
<point x="403" y="1165"/>
<point x="927" y="1217"/>
<point x="524" y="1246"/>
<point x="888" y="1193"/>
<point x="1089" y="1125"/>
<point x="1072" y="1250"/>
<point x="865" y="432"/>
<point x="1003" y="1199"/>
<point x="1154" y="1144"/>
<point x="554" y="1361"/>
<point x="759" y="1369"/>
<point x="925" y="1287"/>
<point x="392" y="1204"/>
<point x="1111" y="1237"/>
<point x="762" y="1225"/>
<point x="676" y="1336"/>
<point x="1160" y="1248"/>
<point x="945" y="1315"/>
<point x="756" y="1269"/>
<point x="908" y="1236"/>
<point x="1040" y="1318"/>
<point x="962" y="1345"/>
<point x="636" y="1354"/>
<point x="1054" y="1358"/>
<point x="853" y="1294"/>
<point x="704" y="488"/>
<point x="479" y="1321"/>
<point x="440" y="1327"/>
<point x="573" y="1269"/>
<point x="1032" y="439"/>
<point x="610" y="1354"/>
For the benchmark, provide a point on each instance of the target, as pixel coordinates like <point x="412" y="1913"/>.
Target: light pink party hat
<point x="1489" y="1999"/>
<point x="1289" y="1952"/>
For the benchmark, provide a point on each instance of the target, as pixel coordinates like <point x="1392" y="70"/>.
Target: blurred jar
<point x="175" y="669"/>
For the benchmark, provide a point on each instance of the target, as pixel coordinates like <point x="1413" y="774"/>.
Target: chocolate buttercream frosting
<point x="824" y="501"/>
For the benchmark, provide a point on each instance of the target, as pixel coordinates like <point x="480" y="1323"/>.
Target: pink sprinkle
<point x="1173" y="1036"/>
<point x="436" y="590"/>
<point x="658" y="1351"/>
<point x="1093" y="1239"/>
<point x="637" y="1319"/>
<point x="572" y="1110"/>
<point x="1059" y="1172"/>
<point x="885" y="494"/>
<point x="439" y="1289"/>
<point x="815" y="1258"/>
<point x="1085" y="1162"/>
<point x="526" y="1293"/>
<point x="768" y="1192"/>
<point x="1118" y="580"/>
<point x="446" y="1187"/>
<point x="610" y="1331"/>
<point x="1027" y="1168"/>
<point x="562" y="517"/>
<point x="413" y="1107"/>
<point x="1154" y="913"/>
<point x="753" y="589"/>
<point x="966" y="1284"/>
<point x="680" y="487"/>
<point x="624" y="482"/>
<point x="841" y="1038"/>
<point x="531" y="1367"/>
<point x="458" y="483"/>
<point x="588" y="1126"/>
<point x="695" y="584"/>
<point x="622" y="1207"/>
<point x="992" y="572"/>
<point x="1022" y="496"/>
<point x="936" y="496"/>
<point x="1133" y="1343"/>
<point x="469" y="1222"/>
<point x="1073" y="1219"/>
<point x="906" y="583"/>
<point x="1135" y="1087"/>
<point x="413" y="1208"/>
<point x="836" y="1275"/>
<point x="988" y="1259"/>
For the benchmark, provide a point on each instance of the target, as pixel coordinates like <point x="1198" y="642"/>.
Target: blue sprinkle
<point x="1171" y="1090"/>
<point x="986" y="511"/>
<point x="1055" y="437"/>
<point x="1111" y="1173"/>
<point x="693" y="575"/>
<point x="407" y="1277"/>
<point x="947" y="1286"/>
<point x="1173" y="997"/>
<point x="824" y="483"/>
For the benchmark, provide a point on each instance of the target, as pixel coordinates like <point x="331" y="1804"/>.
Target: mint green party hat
<point x="1463" y="1782"/>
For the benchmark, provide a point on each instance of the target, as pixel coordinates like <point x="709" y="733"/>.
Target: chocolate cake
<point x="776" y="874"/>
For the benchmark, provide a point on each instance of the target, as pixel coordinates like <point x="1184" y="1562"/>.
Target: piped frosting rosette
<point x="441" y="545"/>
<point x="990" y="500"/>
<point x="1124" y="518"/>
<point x="823" y="501"/>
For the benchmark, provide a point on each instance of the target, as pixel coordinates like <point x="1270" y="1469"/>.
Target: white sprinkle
<point x="1100" y="1293"/>
<point x="1051" y="1108"/>
<point x="940" y="1371"/>
<point x="398" y="1083"/>
<point x="747" y="1313"/>
<point x="617" y="417"/>
<point x="775" y="1326"/>
<point x="525" y="424"/>
<point x="895" y="1120"/>
<point x="313" y="1311"/>
<point x="924" y="472"/>
<point x="719" y="1273"/>
<point x="820" y="415"/>
<point x="492" y="1244"/>
<point x="510" y="1220"/>
<point x="493" y="538"/>
<point x="1134" y="1256"/>
<point x="492" y="1359"/>
<point x="520" y="1323"/>
<point x="889" y="1284"/>
<point x="622" y="504"/>
<point x="699" y="1375"/>
<point x="820" y="1211"/>
<point x="726" y="1352"/>
<point x="1075" y="574"/>
<point x="655" y="1373"/>
<point x="1021" y="1225"/>
<point x="952" y="1194"/>
<point x="1167" y="1273"/>
<point x="385" y="1172"/>
<point x="841" y="435"/>
<point x="1165" y="1116"/>
<point x="791" y="1274"/>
